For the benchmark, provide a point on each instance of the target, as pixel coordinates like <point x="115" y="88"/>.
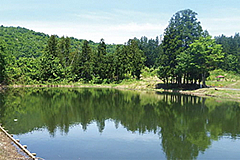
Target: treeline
<point x="56" y="59"/>
<point x="62" y="63"/>
<point x="22" y="42"/>
<point x="185" y="55"/>
<point x="152" y="49"/>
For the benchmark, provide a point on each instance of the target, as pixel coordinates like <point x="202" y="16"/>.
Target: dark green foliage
<point x="151" y="49"/>
<point x="231" y="48"/>
<point x="2" y="62"/>
<point x="85" y="64"/>
<point x="100" y="61"/>
<point x="28" y="57"/>
<point x="128" y="61"/>
<point x="51" y="69"/>
<point x="136" y="58"/>
<point x="182" y="30"/>
<point x="53" y="59"/>
<point x="64" y="51"/>
<point x="188" y="52"/>
<point x="51" y="47"/>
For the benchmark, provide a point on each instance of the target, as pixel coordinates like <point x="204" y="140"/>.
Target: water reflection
<point x="185" y="125"/>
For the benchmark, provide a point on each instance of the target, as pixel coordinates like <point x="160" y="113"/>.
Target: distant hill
<point x="22" y="42"/>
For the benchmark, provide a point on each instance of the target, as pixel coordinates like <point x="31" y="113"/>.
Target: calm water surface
<point x="112" y="124"/>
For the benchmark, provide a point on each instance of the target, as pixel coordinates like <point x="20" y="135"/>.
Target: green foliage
<point x="51" y="69"/>
<point x="55" y="60"/>
<point x="202" y="56"/>
<point x="149" y="72"/>
<point x="23" y="42"/>
<point x="188" y="52"/>
<point x="151" y="49"/>
<point x="228" y="76"/>
<point x="51" y="48"/>
<point x="136" y="58"/>
<point x="230" y="80"/>
<point x="100" y="61"/>
<point x="231" y="48"/>
<point x="182" y="30"/>
<point x="2" y="61"/>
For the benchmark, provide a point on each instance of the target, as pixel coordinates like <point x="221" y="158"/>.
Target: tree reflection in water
<point x="186" y="125"/>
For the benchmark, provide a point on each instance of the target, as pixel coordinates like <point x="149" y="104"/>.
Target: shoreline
<point x="232" y="94"/>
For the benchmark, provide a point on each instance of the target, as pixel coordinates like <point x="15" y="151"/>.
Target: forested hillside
<point x="22" y="42"/>
<point x="29" y="57"/>
<point x="185" y="55"/>
<point x="231" y="48"/>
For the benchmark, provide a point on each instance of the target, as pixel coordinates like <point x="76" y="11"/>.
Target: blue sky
<point x="116" y="20"/>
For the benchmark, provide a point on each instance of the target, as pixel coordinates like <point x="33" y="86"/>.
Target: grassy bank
<point x="230" y="80"/>
<point x="215" y="92"/>
<point x="221" y="88"/>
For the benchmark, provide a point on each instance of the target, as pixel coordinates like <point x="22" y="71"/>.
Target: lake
<point x="93" y="123"/>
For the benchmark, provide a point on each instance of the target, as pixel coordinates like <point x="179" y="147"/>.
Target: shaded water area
<point x="91" y="123"/>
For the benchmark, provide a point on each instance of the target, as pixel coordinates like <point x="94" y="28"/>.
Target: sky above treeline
<point x="116" y="20"/>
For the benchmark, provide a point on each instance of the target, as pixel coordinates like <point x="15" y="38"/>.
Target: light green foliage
<point x="149" y="72"/>
<point x="202" y="56"/>
<point x="230" y="80"/>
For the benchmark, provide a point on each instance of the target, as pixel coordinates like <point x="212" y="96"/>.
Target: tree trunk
<point x="203" y="80"/>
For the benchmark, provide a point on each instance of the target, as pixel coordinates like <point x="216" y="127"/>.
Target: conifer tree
<point x="85" y="64"/>
<point x="2" y="62"/>
<point x="182" y="30"/>
<point x="52" y="46"/>
<point x="100" y="60"/>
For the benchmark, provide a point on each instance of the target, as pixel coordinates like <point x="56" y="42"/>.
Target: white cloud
<point x="112" y="33"/>
<point x="134" y="27"/>
<point x="218" y="26"/>
<point x="94" y="16"/>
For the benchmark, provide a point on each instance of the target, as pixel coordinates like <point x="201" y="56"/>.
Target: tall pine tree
<point x="2" y="62"/>
<point x="182" y="30"/>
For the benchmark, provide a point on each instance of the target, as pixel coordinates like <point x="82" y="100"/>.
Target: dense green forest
<point x="231" y="48"/>
<point x="185" y="55"/>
